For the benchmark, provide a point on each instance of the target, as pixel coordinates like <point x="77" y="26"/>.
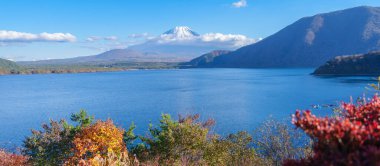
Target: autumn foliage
<point x="96" y="142"/>
<point x="186" y="141"/>
<point x="11" y="159"/>
<point x="86" y="143"/>
<point x="350" y="139"/>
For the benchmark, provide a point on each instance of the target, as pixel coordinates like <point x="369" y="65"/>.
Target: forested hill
<point x="7" y="67"/>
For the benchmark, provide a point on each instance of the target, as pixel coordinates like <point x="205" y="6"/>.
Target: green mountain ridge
<point x="8" y="67"/>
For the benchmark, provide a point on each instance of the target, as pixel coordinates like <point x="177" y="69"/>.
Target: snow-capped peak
<point x="181" y="32"/>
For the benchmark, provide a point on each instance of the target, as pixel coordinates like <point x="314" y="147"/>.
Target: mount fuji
<point x="184" y="43"/>
<point x="179" y="44"/>
<point x="181" y="32"/>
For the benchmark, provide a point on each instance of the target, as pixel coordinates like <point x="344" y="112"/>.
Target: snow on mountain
<point x="182" y="35"/>
<point x="183" y="42"/>
<point x="180" y="32"/>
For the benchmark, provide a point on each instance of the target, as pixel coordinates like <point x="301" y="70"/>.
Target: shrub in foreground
<point x="186" y="141"/>
<point x="189" y="141"/>
<point x="86" y="143"/>
<point x="98" y="143"/>
<point x="11" y="159"/>
<point x="175" y="140"/>
<point x="350" y="139"/>
<point x="52" y="145"/>
<point x="240" y="150"/>
<point x="276" y="142"/>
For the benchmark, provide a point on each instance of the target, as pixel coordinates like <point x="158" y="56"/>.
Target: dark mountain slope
<point x="311" y="41"/>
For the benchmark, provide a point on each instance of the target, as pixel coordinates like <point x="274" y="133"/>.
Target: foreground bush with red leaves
<point x="353" y="138"/>
<point x="11" y="159"/>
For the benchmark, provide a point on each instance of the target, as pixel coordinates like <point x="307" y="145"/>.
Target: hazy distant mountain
<point x="362" y="64"/>
<point x="205" y="59"/>
<point x="179" y="44"/>
<point x="311" y="41"/>
<point x="112" y="56"/>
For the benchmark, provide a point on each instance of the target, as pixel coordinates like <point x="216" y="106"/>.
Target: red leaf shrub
<point x="11" y="159"/>
<point x="350" y="139"/>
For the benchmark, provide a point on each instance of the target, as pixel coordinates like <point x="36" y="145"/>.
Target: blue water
<point x="238" y="99"/>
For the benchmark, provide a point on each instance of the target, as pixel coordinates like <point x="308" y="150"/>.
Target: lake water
<point x="238" y="99"/>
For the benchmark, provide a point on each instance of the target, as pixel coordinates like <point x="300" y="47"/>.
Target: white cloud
<point x="218" y="40"/>
<point x="112" y="38"/>
<point x="93" y="38"/>
<point x="139" y="35"/>
<point x="98" y="38"/>
<point x="208" y="40"/>
<point x="110" y="44"/>
<point x="14" y="36"/>
<point x="240" y="4"/>
<point x="228" y="40"/>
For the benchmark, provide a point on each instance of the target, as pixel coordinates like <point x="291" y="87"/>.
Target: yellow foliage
<point x="96" y="142"/>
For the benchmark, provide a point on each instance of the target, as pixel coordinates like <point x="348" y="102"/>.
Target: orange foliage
<point x="10" y="159"/>
<point x="97" y="141"/>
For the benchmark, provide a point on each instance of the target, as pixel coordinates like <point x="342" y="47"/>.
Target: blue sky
<point x="113" y="22"/>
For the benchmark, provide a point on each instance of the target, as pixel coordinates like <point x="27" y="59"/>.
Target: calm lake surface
<point x="238" y="99"/>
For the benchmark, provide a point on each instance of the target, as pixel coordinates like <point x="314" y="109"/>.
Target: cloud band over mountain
<point x="219" y="40"/>
<point x="178" y="36"/>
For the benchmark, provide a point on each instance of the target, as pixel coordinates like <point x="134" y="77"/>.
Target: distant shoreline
<point x="38" y="70"/>
<point x="81" y="72"/>
<point x="85" y="68"/>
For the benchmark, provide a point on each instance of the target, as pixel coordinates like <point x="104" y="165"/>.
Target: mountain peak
<point x="181" y="32"/>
